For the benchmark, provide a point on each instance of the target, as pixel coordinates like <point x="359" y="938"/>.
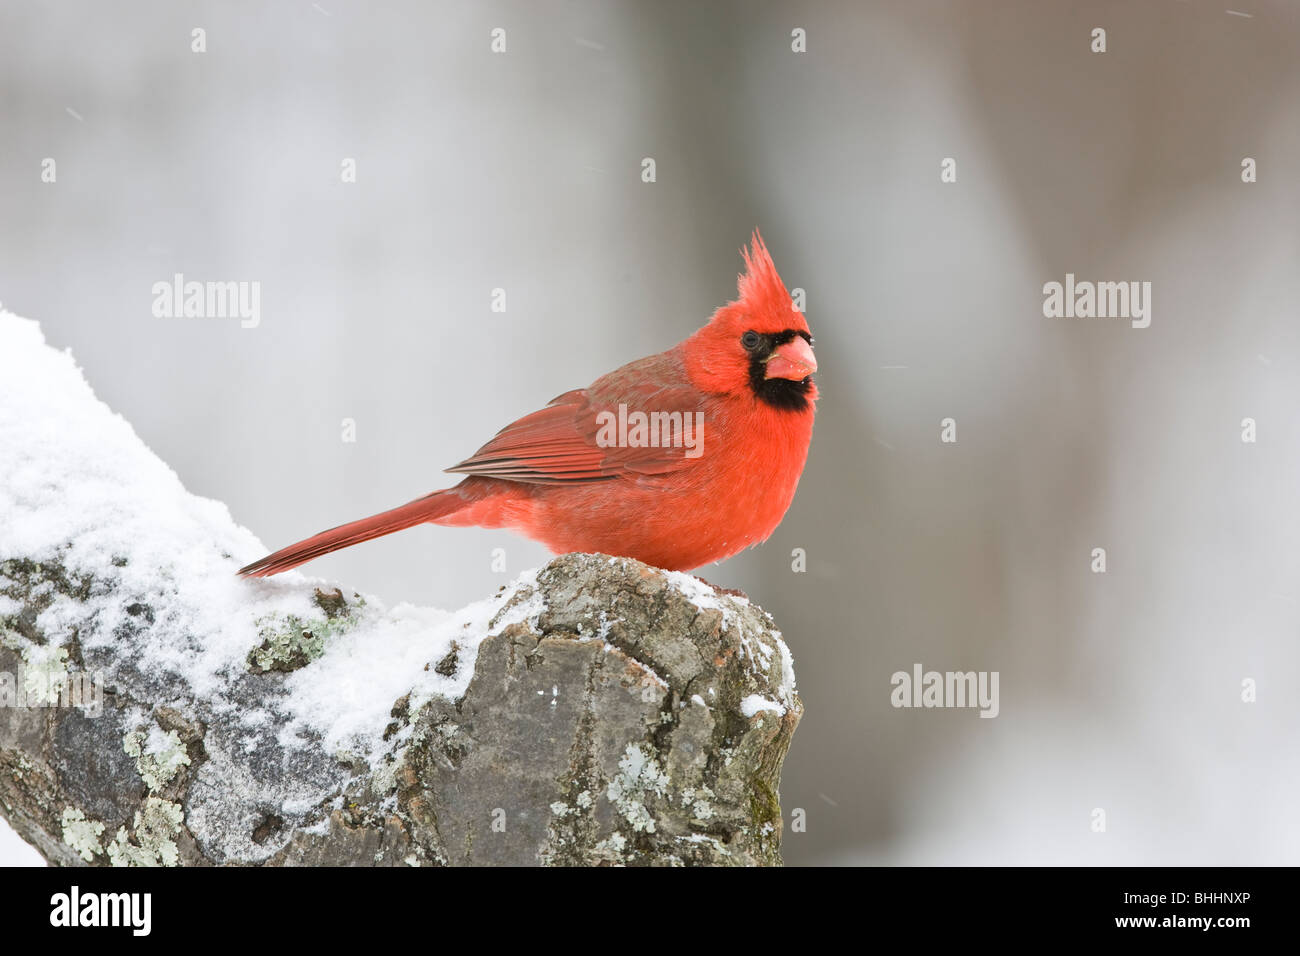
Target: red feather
<point x="559" y="442"/>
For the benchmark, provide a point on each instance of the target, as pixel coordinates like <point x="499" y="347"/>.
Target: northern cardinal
<point x="678" y="459"/>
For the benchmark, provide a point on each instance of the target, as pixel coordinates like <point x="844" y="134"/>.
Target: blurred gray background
<point x="521" y="170"/>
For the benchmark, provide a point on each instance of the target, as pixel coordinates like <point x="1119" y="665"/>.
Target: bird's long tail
<point x="431" y="507"/>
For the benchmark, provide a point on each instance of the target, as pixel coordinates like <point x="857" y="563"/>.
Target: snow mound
<point x="81" y="493"/>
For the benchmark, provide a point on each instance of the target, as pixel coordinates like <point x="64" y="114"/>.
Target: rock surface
<point x="605" y="724"/>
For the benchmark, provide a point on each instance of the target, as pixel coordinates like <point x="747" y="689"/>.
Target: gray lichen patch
<point x="82" y="834"/>
<point x="639" y="781"/>
<point x="152" y="841"/>
<point x="292" y="642"/>
<point x="45" y="672"/>
<point x="698" y="802"/>
<point x="158" y="755"/>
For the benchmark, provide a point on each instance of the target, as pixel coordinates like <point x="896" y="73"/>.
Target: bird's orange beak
<point x="794" y="360"/>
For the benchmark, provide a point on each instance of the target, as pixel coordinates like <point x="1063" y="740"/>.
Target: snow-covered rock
<point x="157" y="709"/>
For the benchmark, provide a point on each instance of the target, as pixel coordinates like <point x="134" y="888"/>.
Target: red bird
<point x="678" y="459"/>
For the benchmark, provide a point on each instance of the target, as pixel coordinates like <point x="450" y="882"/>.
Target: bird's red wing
<point x="576" y="437"/>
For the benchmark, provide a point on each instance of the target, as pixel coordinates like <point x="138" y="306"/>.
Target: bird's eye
<point x="750" y="340"/>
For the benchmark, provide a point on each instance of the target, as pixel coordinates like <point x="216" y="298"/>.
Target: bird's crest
<point x="760" y="285"/>
<point x="762" y="293"/>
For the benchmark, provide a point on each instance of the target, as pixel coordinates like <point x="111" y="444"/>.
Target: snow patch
<point x="756" y="703"/>
<point x="80" y="492"/>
